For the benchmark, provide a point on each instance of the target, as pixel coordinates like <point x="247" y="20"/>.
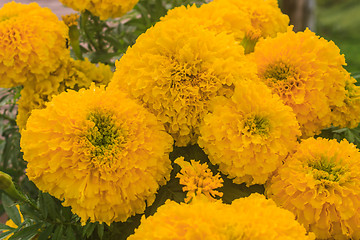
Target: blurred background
<point x="336" y="20"/>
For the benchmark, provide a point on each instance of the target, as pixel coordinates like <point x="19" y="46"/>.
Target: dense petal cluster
<point x="32" y="43"/>
<point x="73" y="74"/>
<point x="198" y="179"/>
<point x="252" y="218"/>
<point x="246" y="20"/>
<point x="176" y="68"/>
<point x="104" y="9"/>
<point x="249" y="135"/>
<point x="348" y="114"/>
<point x="307" y="73"/>
<point x="71" y="19"/>
<point x="99" y="151"/>
<point x="320" y="184"/>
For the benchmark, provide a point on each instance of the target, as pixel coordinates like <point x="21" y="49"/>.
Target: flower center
<point x="282" y="78"/>
<point x="327" y="169"/>
<point x="279" y="71"/>
<point x="257" y="125"/>
<point x="104" y="138"/>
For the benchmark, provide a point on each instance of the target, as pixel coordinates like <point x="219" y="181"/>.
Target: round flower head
<point x="307" y="73"/>
<point x="74" y="74"/>
<point x="176" y="68"/>
<point x="32" y="43"/>
<point x="204" y="219"/>
<point x="104" y="9"/>
<point x="246" y="20"/>
<point x="320" y="184"/>
<point x="249" y="135"/>
<point x="99" y="151"/>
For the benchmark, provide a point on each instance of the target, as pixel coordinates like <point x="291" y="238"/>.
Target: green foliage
<point x="338" y="20"/>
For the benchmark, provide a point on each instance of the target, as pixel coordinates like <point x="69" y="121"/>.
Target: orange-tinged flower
<point x="176" y="68"/>
<point x="320" y="184"/>
<point x="307" y="73"/>
<point x="249" y="135"/>
<point x="248" y="218"/>
<point x="32" y="43"/>
<point x="98" y="151"/>
<point x="198" y="179"/>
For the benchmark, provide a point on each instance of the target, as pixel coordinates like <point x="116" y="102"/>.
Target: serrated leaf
<point x="26" y="233"/>
<point x="11" y="209"/>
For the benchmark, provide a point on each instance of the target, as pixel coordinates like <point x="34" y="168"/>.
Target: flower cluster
<point x="230" y="77"/>
<point x="73" y="74"/>
<point x="176" y="68"/>
<point x="247" y="21"/>
<point x="320" y="184"/>
<point x="307" y="73"/>
<point x="115" y="156"/>
<point x="104" y="9"/>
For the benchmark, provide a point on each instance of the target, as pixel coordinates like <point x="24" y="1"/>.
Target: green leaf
<point x="5" y="227"/>
<point x="44" y="235"/>
<point x="11" y="209"/>
<point x="70" y="234"/>
<point x="51" y="207"/>
<point x="5" y="234"/>
<point x="27" y="233"/>
<point x="100" y="230"/>
<point x="89" y="229"/>
<point x="58" y="233"/>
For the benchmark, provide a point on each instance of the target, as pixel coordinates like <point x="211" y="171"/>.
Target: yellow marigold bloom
<point x="99" y="151"/>
<point x="74" y="74"/>
<point x="176" y="68"/>
<point x="104" y="9"/>
<point x="348" y="114"/>
<point x="249" y="135"/>
<point x="71" y="19"/>
<point x="246" y="20"/>
<point x="252" y="218"/>
<point x="307" y="73"/>
<point x="32" y="43"/>
<point x="198" y="179"/>
<point x="320" y="184"/>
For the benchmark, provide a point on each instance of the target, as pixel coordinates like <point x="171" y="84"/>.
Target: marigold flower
<point x="104" y="9"/>
<point x="70" y="19"/>
<point x="32" y="43"/>
<point x="176" y="68"/>
<point x="320" y="184"/>
<point x="204" y="219"/>
<point x="74" y="74"/>
<point x="249" y="135"/>
<point x="105" y="156"/>
<point x="198" y="179"/>
<point x="246" y="20"/>
<point x="307" y="73"/>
